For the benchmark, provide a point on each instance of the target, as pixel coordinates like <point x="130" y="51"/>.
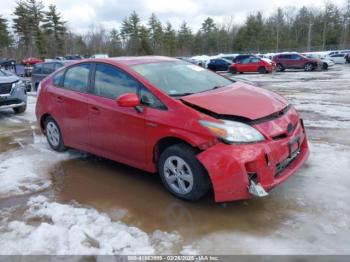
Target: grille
<point x="5" y="88"/>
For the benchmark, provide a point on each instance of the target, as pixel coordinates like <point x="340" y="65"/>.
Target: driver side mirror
<point x="128" y="100"/>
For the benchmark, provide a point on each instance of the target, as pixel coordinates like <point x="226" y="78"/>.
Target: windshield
<point x="180" y="78"/>
<point x="4" y="73"/>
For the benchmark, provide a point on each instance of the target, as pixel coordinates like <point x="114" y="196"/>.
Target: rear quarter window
<point x="57" y="78"/>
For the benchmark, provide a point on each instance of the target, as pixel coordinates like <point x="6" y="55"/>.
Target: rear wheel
<point x="262" y="70"/>
<point x="279" y="68"/>
<point x="309" y="67"/>
<point x="324" y="66"/>
<point x="53" y="135"/>
<point x="182" y="174"/>
<point x="233" y="70"/>
<point x="20" y="109"/>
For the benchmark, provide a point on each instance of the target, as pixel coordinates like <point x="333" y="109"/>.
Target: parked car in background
<point x="73" y="57"/>
<point x="326" y="62"/>
<point x="197" y="129"/>
<point x="99" y="56"/>
<point x="296" y="61"/>
<point x="31" y="61"/>
<point x="219" y="64"/>
<point x="337" y="58"/>
<point x="241" y="57"/>
<point x="42" y="70"/>
<point x="61" y="58"/>
<point x="347" y="57"/>
<point x="253" y="64"/>
<point x="13" y="93"/>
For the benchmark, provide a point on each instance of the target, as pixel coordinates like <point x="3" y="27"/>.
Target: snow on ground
<point x="25" y="171"/>
<point x="66" y="229"/>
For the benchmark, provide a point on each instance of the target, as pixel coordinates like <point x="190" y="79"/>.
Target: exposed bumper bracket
<point x="257" y="190"/>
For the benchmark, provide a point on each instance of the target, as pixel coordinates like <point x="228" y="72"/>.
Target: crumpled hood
<point x="239" y="99"/>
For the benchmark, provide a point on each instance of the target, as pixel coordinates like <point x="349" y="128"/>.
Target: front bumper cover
<point x="269" y="163"/>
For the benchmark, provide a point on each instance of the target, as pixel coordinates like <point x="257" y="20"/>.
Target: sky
<point x="82" y="15"/>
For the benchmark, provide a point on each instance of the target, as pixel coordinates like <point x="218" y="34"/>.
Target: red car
<point x="199" y="130"/>
<point x="31" y="61"/>
<point x="296" y="61"/>
<point x="253" y="64"/>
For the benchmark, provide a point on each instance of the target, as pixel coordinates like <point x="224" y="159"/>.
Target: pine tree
<point x="54" y="27"/>
<point x="5" y="37"/>
<point x="169" y="40"/>
<point x="155" y="33"/>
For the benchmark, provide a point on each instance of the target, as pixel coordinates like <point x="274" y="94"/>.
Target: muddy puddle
<point x="139" y="199"/>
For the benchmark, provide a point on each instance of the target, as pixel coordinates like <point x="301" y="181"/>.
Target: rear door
<point x="254" y="64"/>
<point x="116" y="132"/>
<point x="73" y="97"/>
<point x="297" y="61"/>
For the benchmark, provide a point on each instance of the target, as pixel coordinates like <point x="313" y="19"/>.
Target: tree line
<point x="40" y="31"/>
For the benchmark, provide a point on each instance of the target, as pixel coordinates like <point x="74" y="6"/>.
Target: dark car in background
<point x="13" y="93"/>
<point x="40" y="71"/>
<point x="219" y="64"/>
<point x="73" y="57"/>
<point x="239" y="58"/>
<point x="296" y="61"/>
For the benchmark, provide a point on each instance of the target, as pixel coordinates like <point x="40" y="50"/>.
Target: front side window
<point x="77" y="77"/>
<point x="37" y="69"/>
<point x="111" y="82"/>
<point x="178" y="78"/>
<point x="148" y="99"/>
<point x="296" y="57"/>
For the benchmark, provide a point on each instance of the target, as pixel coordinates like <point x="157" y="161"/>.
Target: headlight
<point x="233" y="132"/>
<point x="19" y="85"/>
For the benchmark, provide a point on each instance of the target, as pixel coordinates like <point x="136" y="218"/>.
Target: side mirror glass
<point x="128" y="100"/>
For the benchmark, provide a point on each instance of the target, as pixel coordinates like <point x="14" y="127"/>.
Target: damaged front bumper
<point x="246" y="170"/>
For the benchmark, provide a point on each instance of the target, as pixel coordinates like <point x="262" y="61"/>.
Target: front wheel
<point x="262" y="70"/>
<point x="182" y="174"/>
<point x="20" y="109"/>
<point x="324" y="66"/>
<point x="309" y="67"/>
<point x="53" y="135"/>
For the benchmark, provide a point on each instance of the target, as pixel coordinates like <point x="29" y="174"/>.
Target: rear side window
<point x="254" y="60"/>
<point x="111" y="82"/>
<point x="77" y="77"/>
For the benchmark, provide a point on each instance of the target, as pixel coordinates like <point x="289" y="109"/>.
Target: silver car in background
<point x="13" y="93"/>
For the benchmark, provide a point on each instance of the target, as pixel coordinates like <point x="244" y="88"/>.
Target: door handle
<point x="59" y="99"/>
<point x="95" y="110"/>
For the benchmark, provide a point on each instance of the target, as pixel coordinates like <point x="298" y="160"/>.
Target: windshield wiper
<point x="181" y="94"/>
<point x="216" y="87"/>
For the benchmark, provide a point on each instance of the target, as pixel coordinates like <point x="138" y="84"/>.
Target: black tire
<point x="233" y="70"/>
<point x="309" y="67"/>
<point x="48" y="125"/>
<point x="20" y="110"/>
<point x="324" y="66"/>
<point x="262" y="70"/>
<point x="280" y="68"/>
<point x="201" y="182"/>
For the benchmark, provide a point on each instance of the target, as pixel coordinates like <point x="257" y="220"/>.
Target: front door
<point x="116" y="132"/>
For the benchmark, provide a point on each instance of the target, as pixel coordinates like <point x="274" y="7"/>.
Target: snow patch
<point x="53" y="228"/>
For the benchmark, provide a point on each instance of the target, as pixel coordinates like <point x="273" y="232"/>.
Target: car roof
<point x="136" y="60"/>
